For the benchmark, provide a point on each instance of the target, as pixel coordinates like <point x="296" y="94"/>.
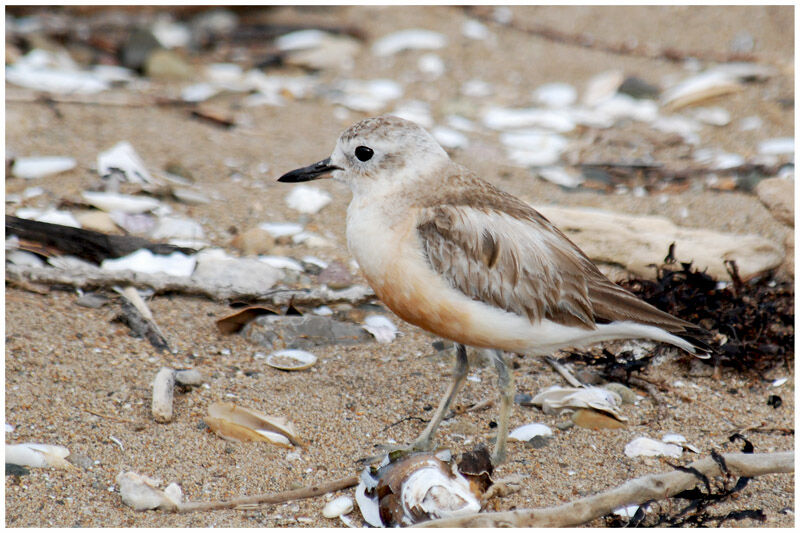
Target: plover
<point x="456" y="256"/>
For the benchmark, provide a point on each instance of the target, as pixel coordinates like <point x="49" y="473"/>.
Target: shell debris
<point x="290" y="360"/>
<point x="232" y="422"/>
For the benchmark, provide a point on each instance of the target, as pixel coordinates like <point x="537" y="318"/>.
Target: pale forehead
<point x="381" y="128"/>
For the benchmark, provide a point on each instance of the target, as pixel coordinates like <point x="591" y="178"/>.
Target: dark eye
<point x="363" y="153"/>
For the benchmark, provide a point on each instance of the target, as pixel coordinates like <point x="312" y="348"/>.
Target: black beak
<point x="311" y="172"/>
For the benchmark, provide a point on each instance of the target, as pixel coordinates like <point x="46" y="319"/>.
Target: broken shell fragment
<point x="163" y="386"/>
<point x="528" y="431"/>
<point x="123" y="161"/>
<point x="555" y="399"/>
<point x="651" y="447"/>
<point x="291" y="360"/>
<point x="414" y="488"/>
<point x="232" y="422"/>
<point x="142" y="493"/>
<point x="338" y="507"/>
<point x="38" y="167"/>
<point x="109" y="201"/>
<point x="381" y="328"/>
<point x="37" y="455"/>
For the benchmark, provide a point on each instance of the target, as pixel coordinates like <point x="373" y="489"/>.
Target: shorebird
<point x="456" y="256"/>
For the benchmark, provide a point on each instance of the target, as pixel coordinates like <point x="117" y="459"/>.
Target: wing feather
<point x="498" y="250"/>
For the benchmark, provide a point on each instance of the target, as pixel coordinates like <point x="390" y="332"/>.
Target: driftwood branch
<point x="274" y="497"/>
<point x="94" y="278"/>
<point x="634" y="492"/>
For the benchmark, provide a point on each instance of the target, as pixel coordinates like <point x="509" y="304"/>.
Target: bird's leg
<point x="505" y="382"/>
<point x="425" y="440"/>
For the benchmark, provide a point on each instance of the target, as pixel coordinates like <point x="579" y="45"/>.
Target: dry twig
<point x="635" y="491"/>
<point x="274" y="497"/>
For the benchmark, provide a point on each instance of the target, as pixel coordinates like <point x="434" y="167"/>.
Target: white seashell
<point x="291" y="359"/>
<point x="338" y="507"/>
<point x="472" y="29"/>
<point x="449" y="138"/>
<point x="560" y="176"/>
<point x="142" y="492"/>
<point x="37" y="455"/>
<point x="63" y="218"/>
<point x="714" y="116"/>
<point x="528" y="431"/>
<point x="122" y="158"/>
<point x="673" y="438"/>
<point x="556" y="398"/>
<point x="113" y="73"/>
<point x="300" y="40"/>
<point x="556" y="94"/>
<point x="701" y="87"/>
<point x="413" y="39"/>
<point x="780" y="381"/>
<point x="279" y="261"/>
<point x="432" y="65"/>
<point x="281" y="229"/>
<point x="381" y="328"/>
<point x="9" y="428"/>
<point x="460" y="123"/>
<point x="199" y="92"/>
<point x="534" y="148"/>
<point x="415" y="111"/>
<point x="620" y="106"/>
<point x="23" y="258"/>
<point x="476" y="88"/>
<point x="777" y="146"/>
<point x="177" y="228"/>
<point x="38" y="167"/>
<point x="56" y="81"/>
<point x="232" y="422"/>
<point x="368" y="96"/>
<point x="109" y="201"/>
<point x="651" y="447"/>
<point x="174" y="264"/>
<point x="171" y="34"/>
<point x="602" y="87"/>
<point x="311" y="239"/>
<point x="307" y="199"/>
<point x="498" y="118"/>
<point x="368" y="505"/>
<point x="315" y="261"/>
<point x="683" y="126"/>
<point x="753" y="122"/>
<point x="225" y="74"/>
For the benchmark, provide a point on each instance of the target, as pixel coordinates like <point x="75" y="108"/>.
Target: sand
<point x="75" y="378"/>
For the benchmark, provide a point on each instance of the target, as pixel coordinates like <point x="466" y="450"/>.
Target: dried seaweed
<point x="696" y="512"/>
<point x="755" y="318"/>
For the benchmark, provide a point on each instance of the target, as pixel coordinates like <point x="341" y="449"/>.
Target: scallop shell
<point x="291" y="360"/>
<point x="241" y="424"/>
